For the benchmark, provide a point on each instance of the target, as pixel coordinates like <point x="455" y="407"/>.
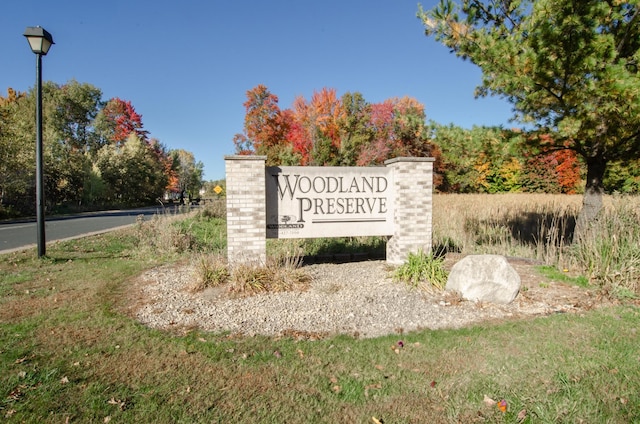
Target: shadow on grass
<point x="527" y="229"/>
<point x="552" y="228"/>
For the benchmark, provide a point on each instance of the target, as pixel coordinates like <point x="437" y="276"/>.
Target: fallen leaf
<point x="106" y="419"/>
<point x="277" y="354"/>
<point x="433" y="383"/>
<point x="300" y="353"/>
<point x="64" y="380"/>
<point x="488" y="401"/>
<point x="379" y="367"/>
<point x="377" y="421"/>
<point x="336" y="389"/>
<point x="522" y="415"/>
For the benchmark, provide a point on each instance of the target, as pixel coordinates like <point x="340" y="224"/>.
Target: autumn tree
<point x="264" y="126"/>
<point x="569" y="66"/>
<point x="331" y="130"/>
<point x="117" y="119"/>
<point x="381" y="124"/>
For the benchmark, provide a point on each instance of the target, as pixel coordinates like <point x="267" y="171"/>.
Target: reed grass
<point x="541" y="227"/>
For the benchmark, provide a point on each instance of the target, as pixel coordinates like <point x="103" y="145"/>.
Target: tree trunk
<point x="592" y="201"/>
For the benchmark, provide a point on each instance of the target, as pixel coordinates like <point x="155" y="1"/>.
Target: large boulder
<point x="487" y="278"/>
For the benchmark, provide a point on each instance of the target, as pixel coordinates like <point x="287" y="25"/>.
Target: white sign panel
<point x="329" y="201"/>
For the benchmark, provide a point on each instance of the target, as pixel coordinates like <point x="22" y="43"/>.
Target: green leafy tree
<point x="188" y="172"/>
<point x="17" y="153"/>
<point x="132" y="171"/>
<point x="354" y="127"/>
<point x="623" y="179"/>
<point x="76" y="106"/>
<point x="569" y="66"/>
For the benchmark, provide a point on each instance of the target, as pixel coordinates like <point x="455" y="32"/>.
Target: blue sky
<point x="186" y="65"/>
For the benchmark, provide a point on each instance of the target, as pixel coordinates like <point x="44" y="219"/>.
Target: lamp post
<point x="40" y="41"/>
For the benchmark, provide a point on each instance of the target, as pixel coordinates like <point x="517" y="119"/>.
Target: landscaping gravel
<point x="357" y="298"/>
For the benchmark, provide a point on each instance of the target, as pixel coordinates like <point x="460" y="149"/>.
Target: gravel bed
<point x="357" y="298"/>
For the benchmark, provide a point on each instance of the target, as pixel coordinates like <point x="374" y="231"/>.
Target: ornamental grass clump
<point x="422" y="270"/>
<point x="273" y="276"/>
<point x="211" y="270"/>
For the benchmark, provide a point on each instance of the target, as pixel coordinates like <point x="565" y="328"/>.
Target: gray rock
<point x="487" y="278"/>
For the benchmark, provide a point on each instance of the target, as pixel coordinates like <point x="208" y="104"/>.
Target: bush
<point x="422" y="268"/>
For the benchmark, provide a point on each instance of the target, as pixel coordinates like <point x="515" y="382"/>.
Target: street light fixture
<point x="40" y="41"/>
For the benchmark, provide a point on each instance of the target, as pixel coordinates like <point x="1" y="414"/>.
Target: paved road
<point x="21" y="235"/>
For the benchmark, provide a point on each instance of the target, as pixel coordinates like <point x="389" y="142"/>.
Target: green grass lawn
<point x="69" y="352"/>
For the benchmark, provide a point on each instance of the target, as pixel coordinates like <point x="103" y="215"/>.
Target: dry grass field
<point x="540" y="227"/>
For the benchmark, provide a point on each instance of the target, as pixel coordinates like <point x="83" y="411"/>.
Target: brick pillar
<point x="413" y="182"/>
<point x="246" y="209"/>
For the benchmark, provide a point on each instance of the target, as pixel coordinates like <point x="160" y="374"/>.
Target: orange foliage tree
<point x="328" y="130"/>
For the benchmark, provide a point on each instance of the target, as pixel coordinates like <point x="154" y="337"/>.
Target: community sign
<point x="329" y="201"/>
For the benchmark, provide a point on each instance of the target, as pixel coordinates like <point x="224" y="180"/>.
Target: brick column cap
<point x="245" y="157"/>
<point x="408" y="159"/>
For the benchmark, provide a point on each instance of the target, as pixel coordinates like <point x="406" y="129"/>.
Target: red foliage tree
<point x="568" y="170"/>
<point x="123" y="120"/>
<point x="263" y="123"/>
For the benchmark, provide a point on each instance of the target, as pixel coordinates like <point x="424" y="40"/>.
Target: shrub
<point x="422" y="268"/>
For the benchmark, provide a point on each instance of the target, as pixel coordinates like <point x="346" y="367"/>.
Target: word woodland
<point x="309" y="201"/>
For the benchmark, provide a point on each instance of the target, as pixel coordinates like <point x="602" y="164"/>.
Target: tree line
<point x="96" y="153"/>
<point x="349" y="131"/>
